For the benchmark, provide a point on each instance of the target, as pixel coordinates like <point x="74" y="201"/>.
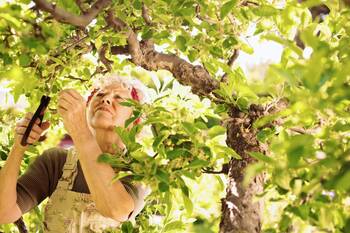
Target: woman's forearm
<point x="8" y="178"/>
<point x="112" y="200"/>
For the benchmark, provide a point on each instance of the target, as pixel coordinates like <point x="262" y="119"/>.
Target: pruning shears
<point x="39" y="114"/>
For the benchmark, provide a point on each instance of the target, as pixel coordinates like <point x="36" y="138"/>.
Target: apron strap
<point x="70" y="171"/>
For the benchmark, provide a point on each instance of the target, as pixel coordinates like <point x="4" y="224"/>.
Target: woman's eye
<point x="100" y="94"/>
<point x="117" y="97"/>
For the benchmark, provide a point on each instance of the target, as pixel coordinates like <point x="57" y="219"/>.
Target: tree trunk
<point x="240" y="213"/>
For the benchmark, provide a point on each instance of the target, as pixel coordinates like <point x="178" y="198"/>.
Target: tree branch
<point x="115" y="50"/>
<point x="247" y="3"/>
<point x="77" y="20"/>
<point x="145" y="15"/>
<point x="204" y="18"/>
<point x="102" y="56"/>
<point x="75" y="78"/>
<point x="133" y="44"/>
<point x="80" y="4"/>
<point x="224" y="170"/>
<point x="230" y="63"/>
<point x="144" y="54"/>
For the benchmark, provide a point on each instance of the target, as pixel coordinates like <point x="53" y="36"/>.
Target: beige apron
<point x="72" y="212"/>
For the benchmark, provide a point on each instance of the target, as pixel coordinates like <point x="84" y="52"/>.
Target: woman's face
<point x="104" y="110"/>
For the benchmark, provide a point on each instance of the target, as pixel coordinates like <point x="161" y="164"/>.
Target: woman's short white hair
<point x="126" y="81"/>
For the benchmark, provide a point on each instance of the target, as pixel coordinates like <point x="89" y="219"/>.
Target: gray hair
<point x="127" y="82"/>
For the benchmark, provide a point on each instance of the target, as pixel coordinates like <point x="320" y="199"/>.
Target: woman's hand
<point x="35" y="133"/>
<point x="72" y="109"/>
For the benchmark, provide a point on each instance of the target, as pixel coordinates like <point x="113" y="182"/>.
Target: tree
<point x="288" y="134"/>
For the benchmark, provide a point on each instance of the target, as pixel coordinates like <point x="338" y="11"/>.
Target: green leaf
<point x="120" y="175"/>
<point x="229" y="42"/>
<point x="173" y="154"/>
<point x="158" y="140"/>
<point x="228" y="151"/>
<point x="11" y="19"/>
<point x="127" y="227"/>
<point x="264" y="134"/>
<point x="226" y="8"/>
<point x="123" y="134"/>
<point x="112" y="160"/>
<point x="188" y="204"/>
<point x="216" y="130"/>
<point x="137" y="114"/>
<point x="163" y="187"/>
<point x="265" y="11"/>
<point x="197" y="163"/>
<point x="162" y="176"/>
<point x="168" y="202"/>
<point x="24" y="60"/>
<point x="261" y="157"/>
<point x="183" y="186"/>
<point x="6" y="58"/>
<point x="284" y="223"/>
<point x="173" y="225"/>
<point x="181" y="43"/>
<point x="189" y="128"/>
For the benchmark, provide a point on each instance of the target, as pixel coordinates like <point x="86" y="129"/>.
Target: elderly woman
<point x="82" y="197"/>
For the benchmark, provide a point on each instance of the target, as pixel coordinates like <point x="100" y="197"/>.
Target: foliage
<point x="307" y="163"/>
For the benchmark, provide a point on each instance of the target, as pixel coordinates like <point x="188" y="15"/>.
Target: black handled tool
<point x="39" y="114"/>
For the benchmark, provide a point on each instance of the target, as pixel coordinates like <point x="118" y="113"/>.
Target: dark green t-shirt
<point x="41" y="178"/>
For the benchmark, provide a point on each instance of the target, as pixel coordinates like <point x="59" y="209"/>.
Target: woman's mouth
<point x="103" y="109"/>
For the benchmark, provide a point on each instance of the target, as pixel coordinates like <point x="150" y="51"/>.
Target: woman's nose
<point x="106" y="100"/>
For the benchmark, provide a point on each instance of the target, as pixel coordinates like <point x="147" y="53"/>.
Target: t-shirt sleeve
<point x="40" y="179"/>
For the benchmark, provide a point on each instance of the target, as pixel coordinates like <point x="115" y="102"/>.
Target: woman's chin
<point x="102" y="124"/>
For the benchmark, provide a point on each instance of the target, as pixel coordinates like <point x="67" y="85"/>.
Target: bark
<point x="240" y="213"/>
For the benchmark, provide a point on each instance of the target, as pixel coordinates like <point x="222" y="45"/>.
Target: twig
<point x="204" y="18"/>
<point x="247" y="3"/>
<point x="224" y="170"/>
<point x="102" y="56"/>
<point x="145" y="14"/>
<point x="230" y="63"/>
<point x="75" y="78"/>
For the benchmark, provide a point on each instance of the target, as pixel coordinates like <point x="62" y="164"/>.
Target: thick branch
<point x="133" y="44"/>
<point x="77" y="20"/>
<point x="143" y="54"/>
<point x="115" y="50"/>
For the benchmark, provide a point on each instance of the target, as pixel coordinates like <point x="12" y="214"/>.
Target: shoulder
<point x="55" y="151"/>
<point x="54" y="154"/>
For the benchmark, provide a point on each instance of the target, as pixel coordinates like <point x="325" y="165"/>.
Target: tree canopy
<point x="295" y="112"/>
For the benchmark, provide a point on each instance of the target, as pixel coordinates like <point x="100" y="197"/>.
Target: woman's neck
<point x="108" y="141"/>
